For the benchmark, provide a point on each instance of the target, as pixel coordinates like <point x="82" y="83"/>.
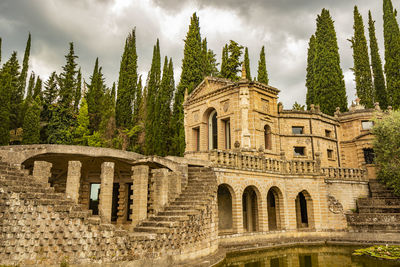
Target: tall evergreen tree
<point x="310" y="77"/>
<point x="212" y="66"/>
<point x="81" y="131"/>
<point x="247" y="64"/>
<point x="376" y="62"/>
<point x="25" y="65"/>
<point x="127" y="83"/>
<point x="31" y="125"/>
<point x="9" y="83"/>
<point x="0" y="48"/>
<point x="31" y="86"/>
<point x="329" y="80"/>
<point x="262" y="75"/>
<point x="50" y="94"/>
<point x="191" y="76"/>
<point x="67" y="79"/>
<point x="233" y="63"/>
<point x="95" y="97"/>
<point x="391" y="35"/>
<point x="113" y="94"/>
<point x="78" y="91"/>
<point x="361" y="69"/>
<point x="37" y="91"/>
<point x="151" y="104"/>
<point x="224" y="62"/>
<point x="16" y="95"/>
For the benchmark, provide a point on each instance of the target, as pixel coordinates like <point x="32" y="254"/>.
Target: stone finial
<point x="280" y="107"/>
<point x="312" y="108"/>
<point x="390" y="108"/>
<point x="358" y="101"/>
<point x="317" y="109"/>
<point x="377" y="107"/>
<point x="337" y="112"/>
<point x="186" y="95"/>
<point x="244" y="72"/>
<point x="283" y="156"/>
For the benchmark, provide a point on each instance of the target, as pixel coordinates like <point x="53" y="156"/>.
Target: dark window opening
<point x="330" y="153"/>
<point x="94" y="198"/>
<point x="303" y="208"/>
<point x="130" y="202"/>
<point x="297" y="129"/>
<point x="369" y="155"/>
<point x="227" y="134"/>
<point x="299" y="151"/>
<point x="115" y="198"/>
<point x="196" y="133"/>
<point x="214" y="131"/>
<point x="328" y="133"/>
<point x="267" y="137"/>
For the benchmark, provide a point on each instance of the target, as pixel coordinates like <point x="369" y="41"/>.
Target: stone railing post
<point x="73" y="180"/>
<point x="42" y="171"/>
<point x="160" y="177"/>
<point x="106" y="190"/>
<point x="318" y="162"/>
<point x="140" y="176"/>
<point x="284" y="162"/>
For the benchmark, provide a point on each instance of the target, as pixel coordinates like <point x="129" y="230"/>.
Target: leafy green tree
<point x="297" y="106"/>
<point x="50" y="94"/>
<point x="387" y="149"/>
<point x="391" y="35"/>
<point x="329" y="86"/>
<point x="224" y="62"/>
<point x="9" y="83"/>
<point x="310" y="77"/>
<point x="61" y="125"/>
<point x="232" y="63"/>
<point x="127" y="83"/>
<point x="247" y="64"/>
<point x="153" y="87"/>
<point x="67" y="79"/>
<point x="379" y="78"/>
<point x="31" y="125"/>
<point x="191" y="76"/>
<point x="262" y="75"/>
<point x="361" y="69"/>
<point x="81" y="131"/>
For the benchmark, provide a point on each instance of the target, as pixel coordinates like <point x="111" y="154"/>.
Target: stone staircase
<point x="199" y="192"/>
<point x="380" y="212"/>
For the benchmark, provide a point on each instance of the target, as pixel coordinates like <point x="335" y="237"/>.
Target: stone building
<point x="252" y="172"/>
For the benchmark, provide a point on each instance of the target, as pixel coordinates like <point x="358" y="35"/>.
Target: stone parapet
<point x="350" y="174"/>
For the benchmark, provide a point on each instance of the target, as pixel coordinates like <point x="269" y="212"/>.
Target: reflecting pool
<point x="304" y="256"/>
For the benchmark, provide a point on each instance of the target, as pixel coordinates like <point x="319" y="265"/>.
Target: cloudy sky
<point x="98" y="28"/>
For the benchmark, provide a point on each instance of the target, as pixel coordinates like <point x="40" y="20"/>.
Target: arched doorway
<point x="212" y="130"/>
<point x="224" y="208"/>
<point x="267" y="137"/>
<point x="250" y="210"/>
<point x="274" y="203"/>
<point x="304" y="210"/>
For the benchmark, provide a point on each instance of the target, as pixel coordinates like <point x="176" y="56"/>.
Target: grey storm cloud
<point x="98" y="28"/>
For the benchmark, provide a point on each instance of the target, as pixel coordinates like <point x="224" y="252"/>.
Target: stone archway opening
<point x="212" y="130"/>
<point x="274" y="208"/>
<point x="250" y="209"/>
<point x="225" y="218"/>
<point x="304" y="210"/>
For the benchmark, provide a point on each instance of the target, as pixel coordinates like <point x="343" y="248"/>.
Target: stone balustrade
<point x="345" y="174"/>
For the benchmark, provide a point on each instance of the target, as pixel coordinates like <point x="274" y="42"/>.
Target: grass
<point x="380" y="252"/>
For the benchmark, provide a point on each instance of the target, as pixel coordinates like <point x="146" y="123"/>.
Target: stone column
<point x="244" y="104"/>
<point x="106" y="190"/>
<point x="160" y="177"/>
<point x="73" y="180"/>
<point x="122" y="203"/>
<point x="42" y="171"/>
<point x="140" y="176"/>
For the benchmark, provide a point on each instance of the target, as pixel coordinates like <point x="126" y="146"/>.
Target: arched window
<point x="267" y="137"/>
<point x="212" y="131"/>
<point x="224" y="208"/>
<point x="250" y="210"/>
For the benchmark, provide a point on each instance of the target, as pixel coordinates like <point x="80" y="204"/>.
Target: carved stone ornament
<point x="226" y="106"/>
<point x="334" y="205"/>
<point x="237" y="144"/>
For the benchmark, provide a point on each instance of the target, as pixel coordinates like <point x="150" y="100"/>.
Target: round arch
<point x="250" y="208"/>
<point x="275" y="209"/>
<point x="304" y="210"/>
<point x="225" y="199"/>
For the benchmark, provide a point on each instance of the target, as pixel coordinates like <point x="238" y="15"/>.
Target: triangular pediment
<point x="207" y="86"/>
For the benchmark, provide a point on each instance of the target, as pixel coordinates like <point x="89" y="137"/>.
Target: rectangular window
<point x="328" y="133"/>
<point x="196" y="135"/>
<point x="299" y="150"/>
<point x="330" y="153"/>
<point x="94" y="198"/>
<point x="369" y="155"/>
<point x="227" y="134"/>
<point x="297" y="129"/>
<point x="367" y="125"/>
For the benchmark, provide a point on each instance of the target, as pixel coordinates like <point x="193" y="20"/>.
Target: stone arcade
<point x="252" y="173"/>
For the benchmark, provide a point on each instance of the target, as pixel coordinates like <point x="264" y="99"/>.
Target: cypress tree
<point x="379" y="78"/>
<point x="233" y="63"/>
<point x="212" y="63"/>
<point x="361" y="69"/>
<point x="127" y="83"/>
<point x="50" y="94"/>
<point x="329" y="81"/>
<point x="9" y="83"/>
<point x="262" y="74"/>
<point x="113" y="95"/>
<point x="391" y="35"/>
<point x="82" y="132"/>
<point x="31" y="86"/>
<point x="0" y="48"/>
<point x="224" y="62"/>
<point x="247" y="64"/>
<point x="31" y="125"/>
<point x="191" y="76"/>
<point x="37" y="91"/>
<point x="151" y="104"/>
<point x="25" y="65"/>
<point x="78" y="91"/>
<point x="310" y="77"/>
<point x="95" y="97"/>
<point x="67" y="79"/>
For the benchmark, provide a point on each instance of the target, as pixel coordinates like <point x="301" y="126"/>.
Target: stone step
<point x="22" y="189"/>
<point x="168" y="224"/>
<point x="141" y="236"/>
<point x="379" y="209"/>
<point x="382" y="194"/>
<point x="150" y="229"/>
<point x="378" y="201"/>
<point x="183" y="207"/>
<point x="185" y="202"/>
<point x="393" y="218"/>
<point x="178" y="212"/>
<point x="169" y="218"/>
<point x="39" y="195"/>
<point x="375" y="226"/>
<point x="26" y="182"/>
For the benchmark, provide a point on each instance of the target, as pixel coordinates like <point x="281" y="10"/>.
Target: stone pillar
<point x="244" y="104"/>
<point x="174" y="185"/>
<point x="160" y="177"/>
<point x="73" y="180"/>
<point x="140" y="176"/>
<point x="122" y="203"/>
<point x="106" y="190"/>
<point x="42" y="171"/>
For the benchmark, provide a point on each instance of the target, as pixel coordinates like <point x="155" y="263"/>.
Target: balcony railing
<point x="345" y="174"/>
